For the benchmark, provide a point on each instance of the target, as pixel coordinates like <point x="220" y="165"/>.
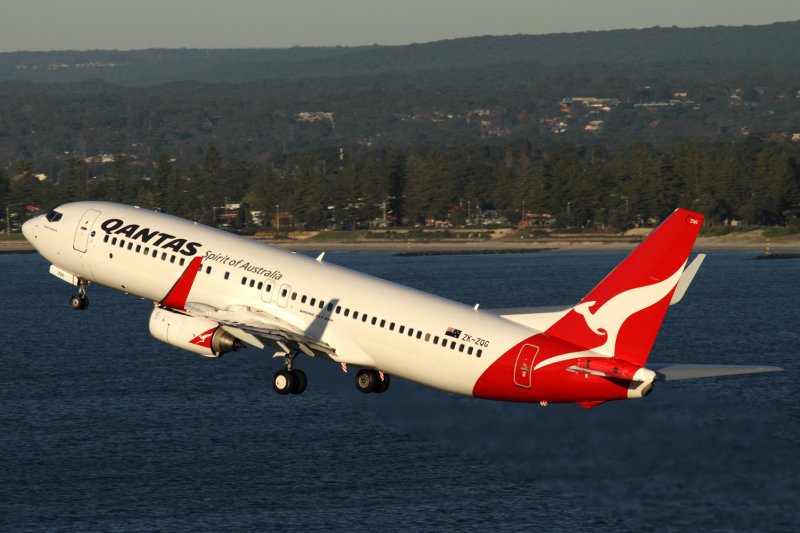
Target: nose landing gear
<point x="80" y="301"/>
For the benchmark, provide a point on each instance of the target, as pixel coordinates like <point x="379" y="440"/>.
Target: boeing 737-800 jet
<point x="215" y="292"/>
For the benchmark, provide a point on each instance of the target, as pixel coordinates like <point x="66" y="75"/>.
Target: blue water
<point x="103" y="428"/>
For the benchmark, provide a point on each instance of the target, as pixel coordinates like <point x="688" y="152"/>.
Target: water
<point x="103" y="428"/>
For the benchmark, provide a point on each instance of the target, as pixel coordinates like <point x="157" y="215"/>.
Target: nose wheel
<point x="80" y="301"/>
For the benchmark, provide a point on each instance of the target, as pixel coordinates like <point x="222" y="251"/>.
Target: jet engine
<point x="195" y="334"/>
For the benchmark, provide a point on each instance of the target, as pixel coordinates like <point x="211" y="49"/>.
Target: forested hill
<point x="661" y="85"/>
<point x="726" y="52"/>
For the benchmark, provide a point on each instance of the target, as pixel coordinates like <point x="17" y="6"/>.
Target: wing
<point x="259" y="328"/>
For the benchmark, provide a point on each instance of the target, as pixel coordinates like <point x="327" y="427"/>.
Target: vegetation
<point x="566" y="186"/>
<point x="596" y="129"/>
<point x="661" y="85"/>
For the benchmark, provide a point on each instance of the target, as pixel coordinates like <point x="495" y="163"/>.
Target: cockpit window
<point x="53" y="216"/>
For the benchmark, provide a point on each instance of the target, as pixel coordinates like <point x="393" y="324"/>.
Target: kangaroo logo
<point x="204" y="339"/>
<point x="607" y="320"/>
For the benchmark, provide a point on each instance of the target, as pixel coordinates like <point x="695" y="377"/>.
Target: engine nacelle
<point x="192" y="333"/>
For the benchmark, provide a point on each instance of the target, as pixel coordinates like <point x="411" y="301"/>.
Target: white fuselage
<point x="406" y="332"/>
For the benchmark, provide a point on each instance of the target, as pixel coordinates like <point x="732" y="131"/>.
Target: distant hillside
<point x="660" y="84"/>
<point x="727" y="50"/>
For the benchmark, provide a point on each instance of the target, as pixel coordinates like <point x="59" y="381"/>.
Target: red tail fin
<point x="624" y="312"/>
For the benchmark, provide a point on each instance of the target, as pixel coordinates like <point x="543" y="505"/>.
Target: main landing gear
<point x="80" y="301"/>
<point x="372" y="381"/>
<point x="289" y="380"/>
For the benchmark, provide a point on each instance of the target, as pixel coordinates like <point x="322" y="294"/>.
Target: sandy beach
<point x="750" y="241"/>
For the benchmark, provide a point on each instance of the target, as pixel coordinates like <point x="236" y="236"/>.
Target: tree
<point x="73" y="181"/>
<point x="122" y="188"/>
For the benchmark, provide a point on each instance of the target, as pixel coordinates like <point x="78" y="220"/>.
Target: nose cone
<point x="29" y="229"/>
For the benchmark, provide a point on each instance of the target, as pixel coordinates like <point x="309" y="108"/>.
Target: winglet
<point x="177" y="295"/>
<point x="686" y="278"/>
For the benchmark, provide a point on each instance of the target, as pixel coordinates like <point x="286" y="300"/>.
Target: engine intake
<point x="192" y="333"/>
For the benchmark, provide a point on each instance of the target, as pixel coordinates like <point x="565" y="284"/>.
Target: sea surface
<point x="103" y="428"/>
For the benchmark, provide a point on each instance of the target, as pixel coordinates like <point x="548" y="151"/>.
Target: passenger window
<point x="163" y="256"/>
<point x="374" y="320"/>
<point x="452" y="345"/>
<point x="419" y="334"/>
<point x="269" y="287"/>
<point x="105" y="239"/>
<point x="338" y="309"/>
<point x="208" y="270"/>
<point x="410" y="332"/>
<point x="469" y="350"/>
<point x="347" y="312"/>
<point x="260" y="284"/>
<point x="114" y="241"/>
<point x="391" y="326"/>
<point x="364" y="317"/>
<point x="155" y="253"/>
<point x="172" y="259"/>
<point x="227" y="274"/>
<point x="303" y="299"/>
<point x="355" y="315"/>
<point x="139" y="249"/>
<point x="460" y="347"/>
<point x="181" y="262"/>
<point x="252" y="283"/>
<point x="321" y="304"/>
<point x="294" y="296"/>
<point x="284" y="292"/>
<point x="330" y="307"/>
<point x="312" y="302"/>
<point x="479" y="352"/>
<point x="146" y="250"/>
<point x="436" y="340"/>
<point x="444" y="342"/>
<point x="383" y="323"/>
<point x="402" y="329"/>
<point x="427" y="337"/>
<point x="244" y="281"/>
<point x="122" y="243"/>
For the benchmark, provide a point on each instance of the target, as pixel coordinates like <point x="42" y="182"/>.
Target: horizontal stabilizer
<point x="669" y="372"/>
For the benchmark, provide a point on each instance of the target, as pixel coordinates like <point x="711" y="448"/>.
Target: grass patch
<point x="719" y="231"/>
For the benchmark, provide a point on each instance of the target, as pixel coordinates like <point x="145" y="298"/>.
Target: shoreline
<point x="731" y="243"/>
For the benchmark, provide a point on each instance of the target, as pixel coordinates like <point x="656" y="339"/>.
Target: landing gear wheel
<point x="284" y="381"/>
<point x="78" y="302"/>
<point x="367" y="380"/>
<point x="300" y="381"/>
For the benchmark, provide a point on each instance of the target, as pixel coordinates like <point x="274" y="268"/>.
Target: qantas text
<point x="145" y="235"/>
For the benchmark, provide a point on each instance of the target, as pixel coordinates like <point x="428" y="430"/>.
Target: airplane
<point x="215" y="292"/>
